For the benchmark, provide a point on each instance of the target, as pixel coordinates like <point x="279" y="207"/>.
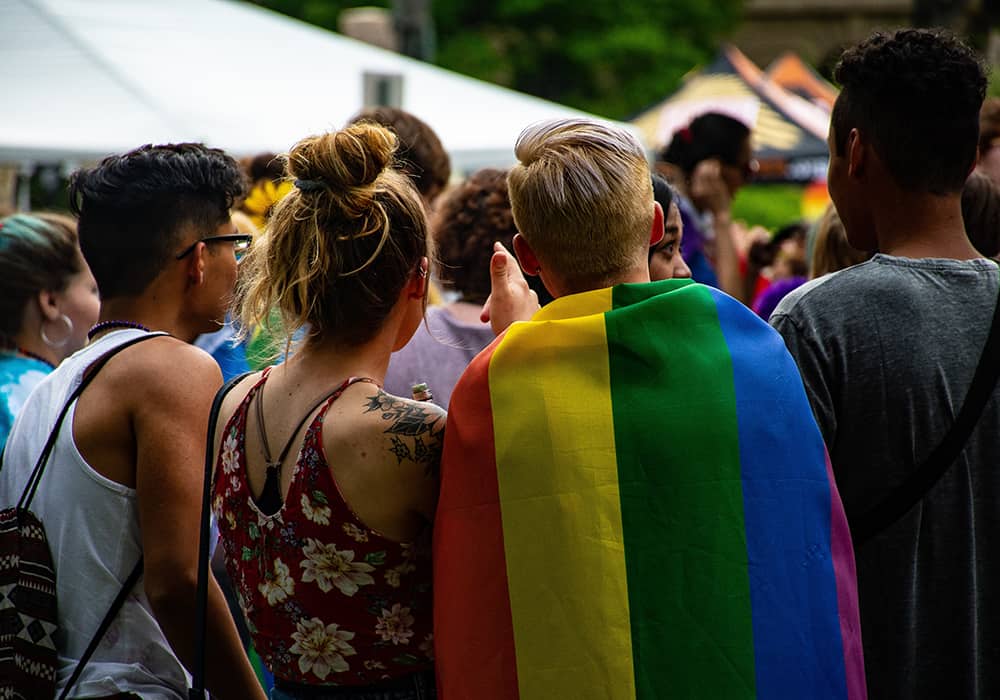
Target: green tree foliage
<point x="610" y="58"/>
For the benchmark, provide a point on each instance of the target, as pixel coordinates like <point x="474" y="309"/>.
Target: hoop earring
<point x="60" y="343"/>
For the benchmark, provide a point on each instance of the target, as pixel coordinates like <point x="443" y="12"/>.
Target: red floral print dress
<point x="328" y="600"/>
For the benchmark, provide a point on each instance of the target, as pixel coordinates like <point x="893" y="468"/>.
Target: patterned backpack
<point x="28" y="607"/>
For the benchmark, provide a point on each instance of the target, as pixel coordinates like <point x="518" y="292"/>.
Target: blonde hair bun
<point x="353" y="157"/>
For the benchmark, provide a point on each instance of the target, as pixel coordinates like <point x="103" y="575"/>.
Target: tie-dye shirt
<point x="18" y="376"/>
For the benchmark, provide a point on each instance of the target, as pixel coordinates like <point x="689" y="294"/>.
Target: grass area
<point x="770" y="206"/>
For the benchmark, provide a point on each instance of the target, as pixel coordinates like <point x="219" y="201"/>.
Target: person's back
<point x="886" y="381"/>
<point x="887" y="351"/>
<point x="95" y="545"/>
<point x="125" y="478"/>
<point x="635" y="500"/>
<point x="325" y="485"/>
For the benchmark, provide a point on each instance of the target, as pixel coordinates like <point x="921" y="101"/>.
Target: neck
<point x="29" y="342"/>
<point x="465" y="311"/>
<point x="922" y="226"/>
<point x="326" y="362"/>
<point x="152" y="313"/>
<point x="637" y="275"/>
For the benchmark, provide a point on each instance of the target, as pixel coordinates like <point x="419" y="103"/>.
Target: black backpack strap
<point x="88" y="376"/>
<point x="109" y="617"/>
<point x="197" y="690"/>
<point x="899" y="502"/>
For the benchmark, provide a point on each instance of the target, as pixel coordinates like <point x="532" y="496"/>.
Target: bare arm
<point x="169" y="422"/>
<point x="710" y="192"/>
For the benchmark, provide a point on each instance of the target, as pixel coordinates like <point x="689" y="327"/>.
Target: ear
<point x="416" y="288"/>
<point x="195" y="270"/>
<point x="857" y="154"/>
<point x="656" y="233"/>
<point x="48" y="305"/>
<point x="526" y="256"/>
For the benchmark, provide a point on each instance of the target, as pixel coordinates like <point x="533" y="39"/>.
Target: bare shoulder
<point x="164" y="375"/>
<point x="411" y="431"/>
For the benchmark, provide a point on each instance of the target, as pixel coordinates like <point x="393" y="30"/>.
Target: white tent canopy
<point x="86" y="78"/>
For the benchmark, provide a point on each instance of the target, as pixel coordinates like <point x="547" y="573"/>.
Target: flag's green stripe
<point x="682" y="503"/>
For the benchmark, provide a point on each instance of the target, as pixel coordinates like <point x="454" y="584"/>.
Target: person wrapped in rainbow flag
<point x="636" y="501"/>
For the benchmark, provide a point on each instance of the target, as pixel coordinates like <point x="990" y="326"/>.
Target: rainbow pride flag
<point x="636" y="503"/>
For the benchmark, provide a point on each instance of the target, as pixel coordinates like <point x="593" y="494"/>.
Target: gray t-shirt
<point x="887" y="351"/>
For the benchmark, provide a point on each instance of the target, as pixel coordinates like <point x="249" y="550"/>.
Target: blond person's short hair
<point x="582" y="197"/>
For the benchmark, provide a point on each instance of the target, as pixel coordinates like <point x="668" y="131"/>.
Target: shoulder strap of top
<point x="331" y="397"/>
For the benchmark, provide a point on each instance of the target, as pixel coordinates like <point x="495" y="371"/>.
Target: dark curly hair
<point x="916" y="94"/>
<point x="470" y="217"/>
<point x="711" y="135"/>
<point x="134" y="208"/>
<point x="421" y="155"/>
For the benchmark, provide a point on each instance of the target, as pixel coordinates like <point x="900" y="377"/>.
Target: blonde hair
<point x="582" y="197"/>
<point x="337" y="250"/>
<point x="831" y="251"/>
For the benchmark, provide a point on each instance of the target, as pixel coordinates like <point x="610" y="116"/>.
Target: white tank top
<point x="93" y="530"/>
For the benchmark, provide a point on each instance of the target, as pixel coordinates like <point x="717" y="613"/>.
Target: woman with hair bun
<point x="48" y="302"/>
<point x="325" y="486"/>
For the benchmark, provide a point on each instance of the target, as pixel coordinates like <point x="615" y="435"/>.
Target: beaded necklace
<point x="106" y="325"/>
<point x="14" y="347"/>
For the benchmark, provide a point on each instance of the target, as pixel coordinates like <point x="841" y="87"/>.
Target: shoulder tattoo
<point x="415" y="432"/>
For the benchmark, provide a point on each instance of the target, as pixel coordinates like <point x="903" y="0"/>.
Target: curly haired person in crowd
<point x="888" y="349"/>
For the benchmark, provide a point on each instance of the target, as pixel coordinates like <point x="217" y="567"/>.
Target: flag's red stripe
<point x="474" y="637"/>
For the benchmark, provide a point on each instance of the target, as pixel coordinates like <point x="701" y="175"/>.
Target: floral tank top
<point x="328" y="600"/>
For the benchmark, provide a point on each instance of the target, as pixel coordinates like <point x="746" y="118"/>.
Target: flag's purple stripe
<point x="847" y="592"/>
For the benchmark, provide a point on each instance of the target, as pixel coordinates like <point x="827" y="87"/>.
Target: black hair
<point x="916" y="94"/>
<point x="133" y="209"/>
<point x="710" y="135"/>
<point x="663" y="192"/>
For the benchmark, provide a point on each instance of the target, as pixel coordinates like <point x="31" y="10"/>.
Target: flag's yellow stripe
<point x="561" y="507"/>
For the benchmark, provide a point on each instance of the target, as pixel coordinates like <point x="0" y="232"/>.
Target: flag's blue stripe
<point x="798" y="649"/>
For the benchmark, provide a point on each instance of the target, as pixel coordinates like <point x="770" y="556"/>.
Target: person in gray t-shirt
<point x="887" y="350"/>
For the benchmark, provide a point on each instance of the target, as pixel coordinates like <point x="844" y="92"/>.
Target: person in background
<point x="783" y="261"/>
<point x="988" y="150"/>
<point x="48" y="302"/>
<point x="713" y="159"/>
<point x="665" y="258"/>
<point x="470" y="217"/>
<point x="224" y="345"/>
<point x="421" y="157"/>
<point x="126" y="481"/>
<point x="888" y="350"/>
<point x="981" y="213"/>
<point x="325" y="485"/>
<point x="831" y="250"/>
